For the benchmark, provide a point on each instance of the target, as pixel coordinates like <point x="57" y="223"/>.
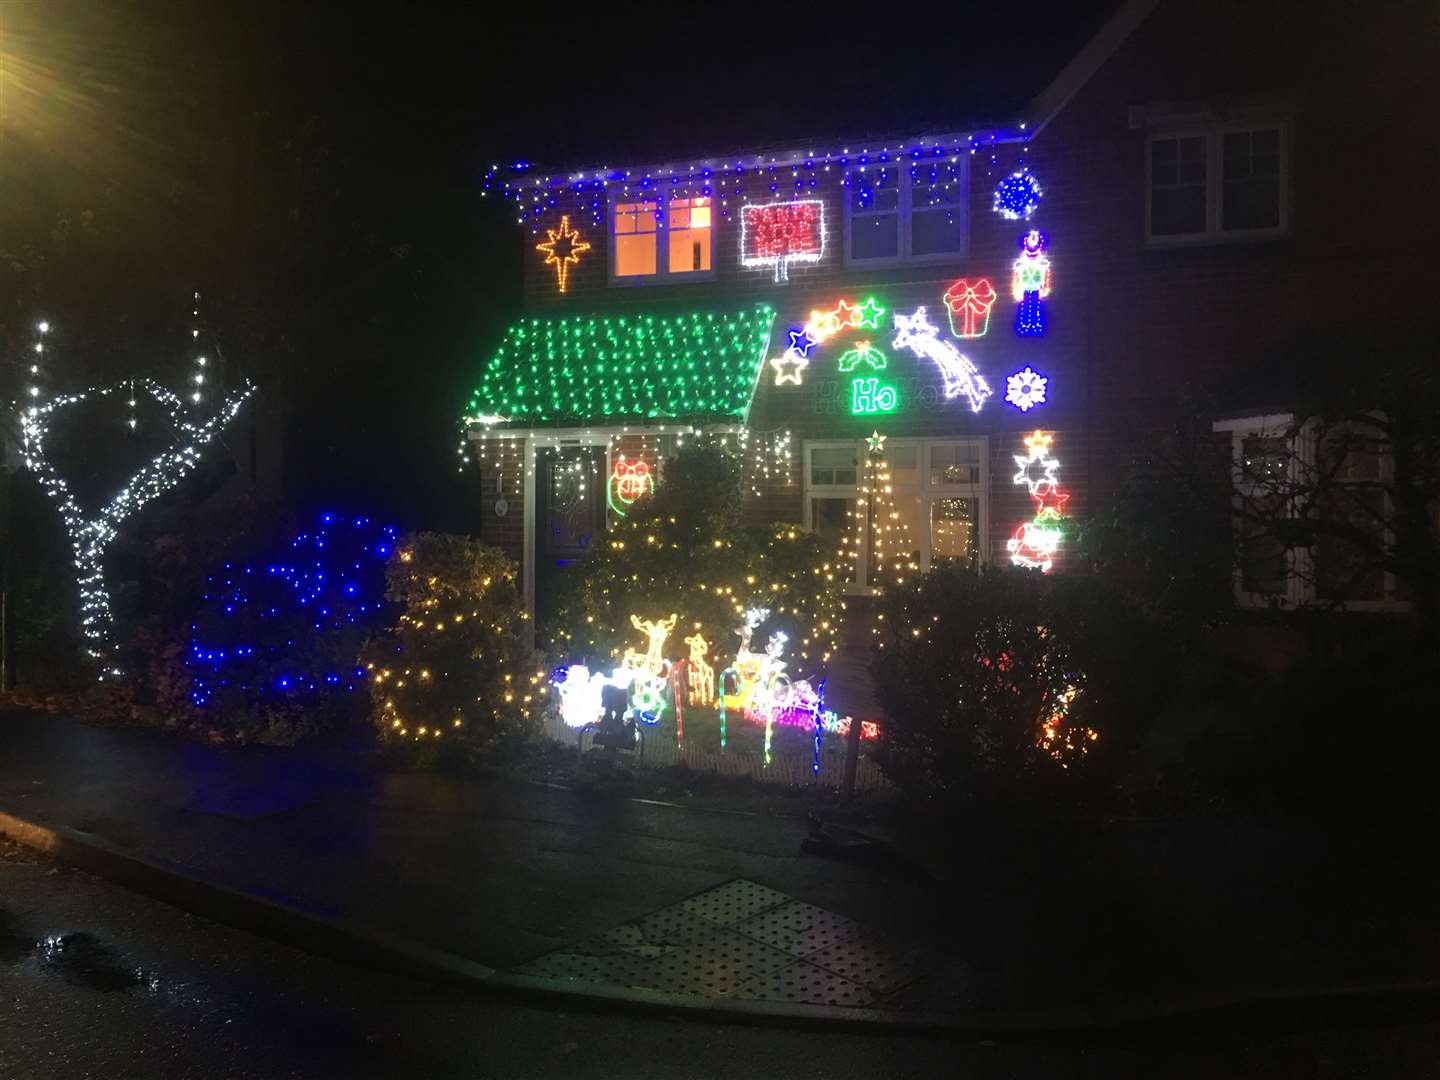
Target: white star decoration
<point x="789" y="368"/>
<point x="1039" y="446"/>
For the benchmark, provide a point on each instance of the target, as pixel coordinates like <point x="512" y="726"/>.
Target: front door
<point x="570" y="513"/>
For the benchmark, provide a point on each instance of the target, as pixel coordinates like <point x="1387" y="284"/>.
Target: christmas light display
<point x="777" y="234"/>
<point x="562" y="250"/>
<point x="869" y="396"/>
<point x="801" y="342"/>
<point x="733" y="182"/>
<point x="1030" y="283"/>
<point x="652" y="660"/>
<point x="700" y="675"/>
<point x="91" y="535"/>
<point x="629" y="480"/>
<point x="642" y="367"/>
<point x="968" y="304"/>
<point x="287" y="629"/>
<point x="789" y="368"/>
<point x="823" y="325"/>
<point x="1025" y="389"/>
<point x="918" y="334"/>
<point x="1035" y="542"/>
<point x="1017" y="196"/>
<point x="863" y="353"/>
<point x="580" y="692"/>
<point x="891" y="555"/>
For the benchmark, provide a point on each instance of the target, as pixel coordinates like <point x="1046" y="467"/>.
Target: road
<point x="99" y="982"/>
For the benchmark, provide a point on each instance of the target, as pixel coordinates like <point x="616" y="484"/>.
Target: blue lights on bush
<point x="291" y="626"/>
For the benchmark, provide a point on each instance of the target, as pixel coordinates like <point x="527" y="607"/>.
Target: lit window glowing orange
<point x="689" y="235"/>
<point x="635" y="229"/>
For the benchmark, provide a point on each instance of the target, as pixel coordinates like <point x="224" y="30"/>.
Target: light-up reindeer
<point x="700" y="674"/>
<point x="655" y="631"/>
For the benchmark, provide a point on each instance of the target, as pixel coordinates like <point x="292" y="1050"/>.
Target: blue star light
<point x="802" y="342"/>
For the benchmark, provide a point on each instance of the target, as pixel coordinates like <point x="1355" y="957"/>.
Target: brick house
<point x="1205" y="207"/>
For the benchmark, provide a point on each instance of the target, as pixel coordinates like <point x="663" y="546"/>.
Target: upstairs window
<point x="1217" y="185"/>
<point x="648" y="243"/>
<point x="907" y="211"/>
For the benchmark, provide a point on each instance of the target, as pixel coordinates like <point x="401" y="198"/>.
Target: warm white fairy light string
<point x="90" y="537"/>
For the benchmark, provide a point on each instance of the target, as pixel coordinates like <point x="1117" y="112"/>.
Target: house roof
<point x="575" y="370"/>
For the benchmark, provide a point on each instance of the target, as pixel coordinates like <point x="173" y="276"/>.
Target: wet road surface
<point x="99" y="982"/>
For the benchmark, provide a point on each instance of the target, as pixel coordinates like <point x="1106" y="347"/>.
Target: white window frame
<point x="903" y="210"/>
<point x="1214" y="136"/>
<point x="662" y="194"/>
<point x="925" y="491"/>
<point x="1299" y="583"/>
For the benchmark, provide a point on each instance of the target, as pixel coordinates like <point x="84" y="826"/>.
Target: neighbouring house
<point x="1163" y="215"/>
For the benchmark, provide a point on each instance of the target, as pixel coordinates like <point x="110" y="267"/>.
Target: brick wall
<point x="1130" y="328"/>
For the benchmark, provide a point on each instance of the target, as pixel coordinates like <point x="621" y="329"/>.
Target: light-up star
<point x="802" y="342"/>
<point x="916" y="333"/>
<point x="1049" y="500"/>
<point x="789" y="368"/>
<point x="910" y="327"/>
<point x="1036" y="467"/>
<point x="1025" y="389"/>
<point x="843" y="314"/>
<point x="822" y="325"/>
<point x="876" y="442"/>
<point x="562" y="249"/>
<point x="867" y="314"/>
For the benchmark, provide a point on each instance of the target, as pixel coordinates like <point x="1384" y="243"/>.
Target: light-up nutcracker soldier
<point x="1030" y="283"/>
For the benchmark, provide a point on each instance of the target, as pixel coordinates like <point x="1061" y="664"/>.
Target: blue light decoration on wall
<point x="1017" y="196"/>
<point x="1030" y="283"/>
<point x="1026" y="389"/>
<point x="289" y="628"/>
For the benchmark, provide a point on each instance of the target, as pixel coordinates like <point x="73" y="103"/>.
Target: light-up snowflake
<point x="1025" y="389"/>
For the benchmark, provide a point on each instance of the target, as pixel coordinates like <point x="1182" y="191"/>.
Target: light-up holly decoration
<point x="918" y="334"/>
<point x="777" y="234"/>
<point x="1017" y="196"/>
<point x="1030" y="283"/>
<point x="863" y="355"/>
<point x="1025" y="389"/>
<point x="1036" y="541"/>
<point x="562" y="248"/>
<point x="969" y="303"/>
<point x="629" y="480"/>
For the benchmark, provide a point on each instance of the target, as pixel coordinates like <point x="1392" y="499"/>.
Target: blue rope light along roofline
<point x="701" y="366"/>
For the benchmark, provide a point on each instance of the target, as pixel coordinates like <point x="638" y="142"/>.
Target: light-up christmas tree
<point x="892" y="556"/>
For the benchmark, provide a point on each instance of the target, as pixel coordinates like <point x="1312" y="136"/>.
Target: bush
<point x="1328" y="739"/>
<point x="682" y="552"/>
<point x="273" y="645"/>
<point x="452" y="670"/>
<point x="1009" y="687"/>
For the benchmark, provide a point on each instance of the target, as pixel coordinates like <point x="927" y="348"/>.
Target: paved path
<point x="495" y="870"/>
<point x="506" y="873"/>
<point x="99" y="982"/>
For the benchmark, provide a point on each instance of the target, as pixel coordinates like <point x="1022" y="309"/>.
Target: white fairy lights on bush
<point x="91" y="535"/>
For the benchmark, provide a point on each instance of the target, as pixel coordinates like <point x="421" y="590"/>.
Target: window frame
<point x="904" y="208"/>
<point x="1214" y="136"/>
<point x="662" y="193"/>
<point x="1300" y="591"/>
<point x="926" y="492"/>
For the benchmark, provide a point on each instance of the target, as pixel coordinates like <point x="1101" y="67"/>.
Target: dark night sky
<point x="397" y="111"/>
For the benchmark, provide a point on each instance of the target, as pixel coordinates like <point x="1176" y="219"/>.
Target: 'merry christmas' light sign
<point x="777" y="234"/>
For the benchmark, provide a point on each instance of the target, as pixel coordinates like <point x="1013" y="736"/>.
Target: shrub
<point x="452" y="667"/>
<point x="274" y="642"/>
<point x="1010" y="687"/>
<point x="683" y="553"/>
